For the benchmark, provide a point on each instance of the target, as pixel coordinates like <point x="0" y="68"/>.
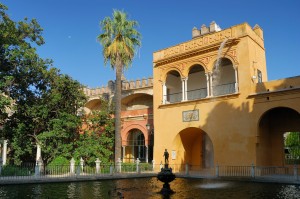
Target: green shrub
<point x="9" y="170"/>
<point x="59" y="161"/>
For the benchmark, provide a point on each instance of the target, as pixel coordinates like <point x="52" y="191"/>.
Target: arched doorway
<point x="272" y="127"/>
<point x="194" y="147"/>
<point x="135" y="147"/>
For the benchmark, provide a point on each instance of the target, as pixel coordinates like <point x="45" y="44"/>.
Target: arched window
<point x="196" y="83"/>
<point x="173" y="87"/>
<point x="136" y="145"/>
<point x="223" y="78"/>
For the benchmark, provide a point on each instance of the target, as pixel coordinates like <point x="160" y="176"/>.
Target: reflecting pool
<point x="149" y="187"/>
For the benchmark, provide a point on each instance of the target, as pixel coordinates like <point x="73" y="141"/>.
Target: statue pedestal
<point x="166" y="176"/>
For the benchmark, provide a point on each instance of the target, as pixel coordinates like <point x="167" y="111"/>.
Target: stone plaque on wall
<point x="192" y="115"/>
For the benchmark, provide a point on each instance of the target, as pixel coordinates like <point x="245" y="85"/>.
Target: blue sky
<point x="71" y="28"/>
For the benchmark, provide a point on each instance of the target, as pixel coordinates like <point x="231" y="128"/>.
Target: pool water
<point x="149" y="188"/>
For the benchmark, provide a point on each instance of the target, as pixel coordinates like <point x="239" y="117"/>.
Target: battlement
<point x="213" y="27"/>
<point x="126" y="85"/>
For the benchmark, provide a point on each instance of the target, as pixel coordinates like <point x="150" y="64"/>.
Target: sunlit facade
<point x="213" y="104"/>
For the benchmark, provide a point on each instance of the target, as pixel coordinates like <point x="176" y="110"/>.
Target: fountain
<point x="216" y="69"/>
<point x="166" y="176"/>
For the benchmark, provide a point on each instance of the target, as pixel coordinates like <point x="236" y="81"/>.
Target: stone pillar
<point x="98" y="168"/>
<point x="39" y="167"/>
<point x="217" y="171"/>
<point x="207" y="84"/>
<point x="252" y="171"/>
<point x="119" y="166"/>
<point x="38" y="152"/>
<point x="1" y="163"/>
<point x="186" y="169"/>
<point x="4" y="152"/>
<point x="111" y="169"/>
<point x="153" y="165"/>
<point x="211" y="85"/>
<point x="295" y="172"/>
<point x="72" y="166"/>
<point x="236" y="85"/>
<point x="132" y="152"/>
<point x="123" y="147"/>
<point x="139" y="151"/>
<point x="183" y="89"/>
<point x="147" y="154"/>
<point x="81" y="164"/>
<point x="164" y="88"/>
<point x="138" y="165"/>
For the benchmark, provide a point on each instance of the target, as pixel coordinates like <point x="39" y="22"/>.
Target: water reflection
<point x="289" y="191"/>
<point x="149" y="188"/>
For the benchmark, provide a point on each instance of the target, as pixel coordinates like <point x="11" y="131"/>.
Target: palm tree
<point x="119" y="39"/>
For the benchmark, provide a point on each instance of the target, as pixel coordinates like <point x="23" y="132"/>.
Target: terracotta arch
<point x="127" y="129"/>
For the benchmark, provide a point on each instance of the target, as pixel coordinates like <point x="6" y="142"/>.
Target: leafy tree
<point x="45" y="102"/>
<point x="292" y="142"/>
<point x="97" y="140"/>
<point x="62" y="123"/>
<point x="119" y="39"/>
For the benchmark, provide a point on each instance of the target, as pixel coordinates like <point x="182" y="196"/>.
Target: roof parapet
<point x="213" y="27"/>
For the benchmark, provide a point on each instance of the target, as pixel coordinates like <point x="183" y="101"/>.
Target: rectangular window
<point x="259" y="76"/>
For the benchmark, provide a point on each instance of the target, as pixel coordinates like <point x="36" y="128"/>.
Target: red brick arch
<point x="127" y="128"/>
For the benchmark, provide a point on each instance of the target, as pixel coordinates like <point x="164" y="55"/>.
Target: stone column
<point x="217" y="171"/>
<point x="186" y="169"/>
<point x="295" y="172"/>
<point x="252" y="171"/>
<point x="132" y="152"/>
<point x="153" y="165"/>
<point x="98" y="168"/>
<point x="207" y="84"/>
<point x="38" y="152"/>
<point x="211" y="85"/>
<point x="4" y="152"/>
<point x="183" y="89"/>
<point x="1" y="162"/>
<point x="119" y="166"/>
<point x="236" y="85"/>
<point x="81" y="164"/>
<point x="123" y="147"/>
<point x="147" y="154"/>
<point x="138" y="165"/>
<point x="39" y="167"/>
<point x="72" y="166"/>
<point x="164" y="88"/>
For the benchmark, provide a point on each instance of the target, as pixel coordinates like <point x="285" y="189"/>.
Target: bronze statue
<point x="166" y="154"/>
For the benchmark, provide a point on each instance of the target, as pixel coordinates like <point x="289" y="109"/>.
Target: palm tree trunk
<point x="118" y="95"/>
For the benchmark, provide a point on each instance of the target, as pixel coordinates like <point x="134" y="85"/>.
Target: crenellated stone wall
<point x="126" y="85"/>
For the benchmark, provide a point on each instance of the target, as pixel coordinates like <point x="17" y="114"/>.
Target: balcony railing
<point x="223" y="89"/>
<point x="197" y="94"/>
<point x="174" y="97"/>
